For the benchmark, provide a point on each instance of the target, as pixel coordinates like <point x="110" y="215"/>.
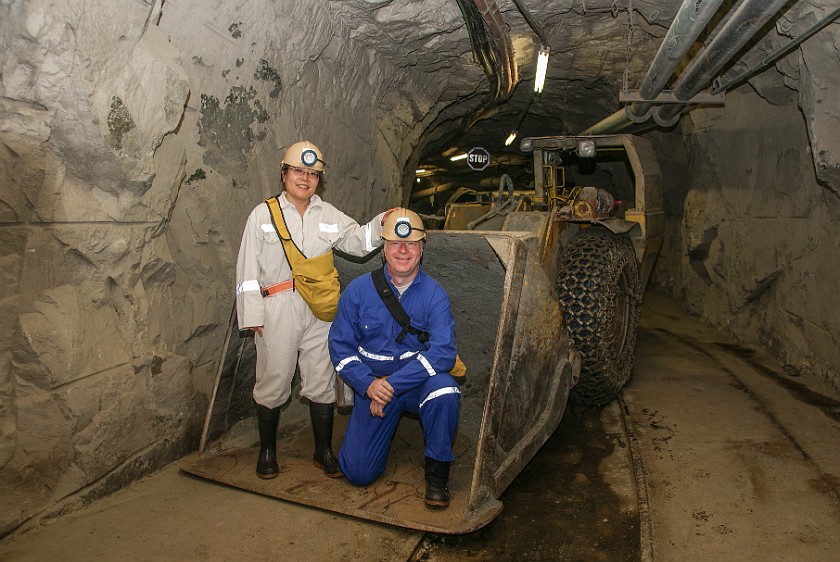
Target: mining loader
<point x="546" y="285"/>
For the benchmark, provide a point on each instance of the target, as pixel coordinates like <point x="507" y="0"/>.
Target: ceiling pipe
<point x="747" y="20"/>
<point x="691" y="19"/>
<point x="611" y="124"/>
<point x="773" y="57"/>
<point x="428" y="192"/>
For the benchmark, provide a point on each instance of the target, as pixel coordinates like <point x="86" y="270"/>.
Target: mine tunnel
<point x="138" y="136"/>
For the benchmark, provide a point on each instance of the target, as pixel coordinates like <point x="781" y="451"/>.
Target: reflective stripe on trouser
<point x="291" y="336"/>
<point x="367" y="440"/>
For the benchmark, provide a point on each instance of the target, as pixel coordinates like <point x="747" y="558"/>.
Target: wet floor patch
<point x="559" y="508"/>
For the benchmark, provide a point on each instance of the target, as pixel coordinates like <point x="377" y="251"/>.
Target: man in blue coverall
<point x="391" y="374"/>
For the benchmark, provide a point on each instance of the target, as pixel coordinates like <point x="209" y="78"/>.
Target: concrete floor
<point x="712" y="453"/>
<point x="739" y="460"/>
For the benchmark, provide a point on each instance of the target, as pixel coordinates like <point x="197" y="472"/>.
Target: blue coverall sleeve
<point x="344" y="343"/>
<point x="440" y="355"/>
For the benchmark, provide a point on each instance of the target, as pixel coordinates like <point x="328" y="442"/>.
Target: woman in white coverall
<point x="286" y="331"/>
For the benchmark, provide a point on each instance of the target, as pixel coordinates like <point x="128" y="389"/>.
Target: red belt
<point x="278" y="288"/>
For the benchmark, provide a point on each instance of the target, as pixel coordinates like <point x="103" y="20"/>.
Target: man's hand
<point x="380" y="393"/>
<point x="377" y="410"/>
<point x="257" y="329"/>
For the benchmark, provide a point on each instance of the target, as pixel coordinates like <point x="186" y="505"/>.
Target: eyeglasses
<point x="413" y="245"/>
<point x="310" y="174"/>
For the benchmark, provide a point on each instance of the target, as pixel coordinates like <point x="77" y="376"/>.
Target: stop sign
<point x="478" y="158"/>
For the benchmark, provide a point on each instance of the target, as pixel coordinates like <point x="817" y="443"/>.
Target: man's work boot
<point x="437" y="483"/>
<point x="267" y="419"/>
<point x="322" y="426"/>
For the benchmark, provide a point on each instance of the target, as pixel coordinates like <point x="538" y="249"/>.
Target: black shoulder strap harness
<point x="395" y="308"/>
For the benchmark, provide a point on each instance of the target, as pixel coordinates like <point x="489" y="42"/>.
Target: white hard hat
<point x="305" y="154"/>
<point x="403" y="225"/>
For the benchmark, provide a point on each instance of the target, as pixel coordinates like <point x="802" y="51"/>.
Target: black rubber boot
<point x="267" y="419"/>
<point x="437" y="483"/>
<point x="322" y="426"/>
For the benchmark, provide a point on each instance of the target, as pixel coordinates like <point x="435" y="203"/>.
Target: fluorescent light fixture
<point x="510" y="138"/>
<point x="419" y="171"/>
<point x="458" y="157"/>
<point x="542" y="66"/>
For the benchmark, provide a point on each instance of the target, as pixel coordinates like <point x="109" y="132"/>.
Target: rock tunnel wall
<point x="136" y="135"/>
<point x="134" y="143"/>
<point x="753" y="243"/>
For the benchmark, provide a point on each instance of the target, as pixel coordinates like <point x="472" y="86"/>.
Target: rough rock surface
<point x="136" y="136"/>
<point x="753" y="237"/>
<point x="135" y="141"/>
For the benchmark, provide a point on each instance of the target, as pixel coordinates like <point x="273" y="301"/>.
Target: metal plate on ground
<point x="395" y="498"/>
<point x="510" y="335"/>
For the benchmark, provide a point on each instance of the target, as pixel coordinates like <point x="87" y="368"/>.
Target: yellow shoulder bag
<point x="315" y="279"/>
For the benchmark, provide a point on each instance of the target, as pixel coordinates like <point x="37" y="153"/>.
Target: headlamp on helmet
<point x="403" y="225"/>
<point x="309" y="157"/>
<point x="306" y="154"/>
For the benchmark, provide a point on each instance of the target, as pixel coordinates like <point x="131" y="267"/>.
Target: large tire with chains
<point x="600" y="295"/>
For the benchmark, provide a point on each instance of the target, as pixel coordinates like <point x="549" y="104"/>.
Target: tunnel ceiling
<point x="591" y="49"/>
<point x="598" y="47"/>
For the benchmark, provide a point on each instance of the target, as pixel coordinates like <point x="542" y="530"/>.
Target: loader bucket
<point x="521" y="367"/>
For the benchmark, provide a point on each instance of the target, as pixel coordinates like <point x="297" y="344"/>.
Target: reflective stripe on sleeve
<point x="345" y="361"/>
<point x="369" y="238"/>
<point x="245" y="286"/>
<point x="441" y="392"/>
<point x="374" y="356"/>
<point x="426" y="365"/>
